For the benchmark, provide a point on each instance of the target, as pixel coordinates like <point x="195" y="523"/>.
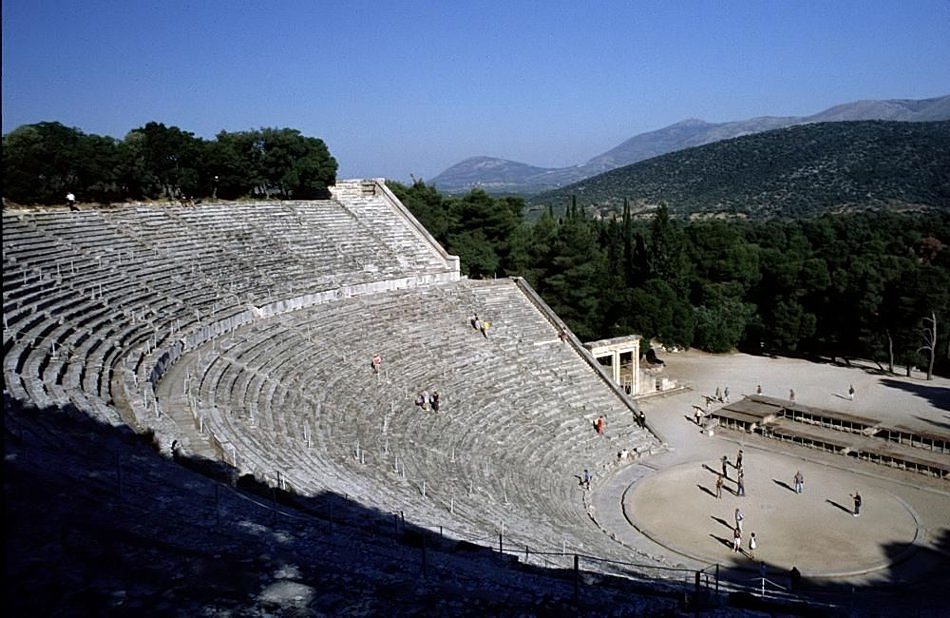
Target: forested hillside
<point x="799" y="171"/>
<point x="862" y="284"/>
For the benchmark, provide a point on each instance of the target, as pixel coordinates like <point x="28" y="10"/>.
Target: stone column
<point x="615" y="366"/>
<point x="636" y="368"/>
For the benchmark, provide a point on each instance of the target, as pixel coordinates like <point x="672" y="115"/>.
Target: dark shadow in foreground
<point x="98" y="522"/>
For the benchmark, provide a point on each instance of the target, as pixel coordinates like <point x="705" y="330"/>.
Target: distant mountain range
<point x="503" y="176"/>
<point x="798" y="171"/>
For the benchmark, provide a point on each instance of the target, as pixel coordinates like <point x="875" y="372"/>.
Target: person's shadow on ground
<point x="706" y="489"/>
<point x="785" y="485"/>
<point x="726" y="542"/>
<point x="840" y="506"/>
<point x="724" y="523"/>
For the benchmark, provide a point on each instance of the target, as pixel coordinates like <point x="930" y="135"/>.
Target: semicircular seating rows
<point x="296" y="395"/>
<point x="94" y="298"/>
<point x="89" y="292"/>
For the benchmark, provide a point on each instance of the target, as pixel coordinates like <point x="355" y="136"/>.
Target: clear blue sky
<point x="404" y="87"/>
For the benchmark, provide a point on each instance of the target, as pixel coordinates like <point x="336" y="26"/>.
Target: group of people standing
<point x="479" y="324"/>
<point x="799" y="487"/>
<point x="722" y="395"/>
<point x="425" y="401"/>
<point x="740" y="475"/>
<point x="737" y="536"/>
<point x="740" y="491"/>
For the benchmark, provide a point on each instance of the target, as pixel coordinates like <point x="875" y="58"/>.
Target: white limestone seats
<point x="515" y="430"/>
<point x="82" y="290"/>
<point x="277" y="309"/>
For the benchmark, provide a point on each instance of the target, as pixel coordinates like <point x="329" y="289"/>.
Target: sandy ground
<point x="903" y="514"/>
<point x="913" y="402"/>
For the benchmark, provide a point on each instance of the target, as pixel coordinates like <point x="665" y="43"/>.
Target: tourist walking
<point x="739" y="518"/>
<point x="739" y="459"/>
<point x="799" y="482"/>
<point x="719" y="487"/>
<point x="857" y="503"/>
<point x="435" y="401"/>
<point x="791" y="394"/>
<point x="736" y="540"/>
<point x="725" y="394"/>
<point x="725" y="464"/>
<point x="753" y="543"/>
<point x="376" y="362"/>
<point x="740" y="483"/>
<point x="758" y="389"/>
<point x="851" y="392"/>
<point x="599" y="425"/>
<point x="587" y="478"/>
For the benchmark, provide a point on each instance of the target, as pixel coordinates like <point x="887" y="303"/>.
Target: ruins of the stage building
<point x="622" y="355"/>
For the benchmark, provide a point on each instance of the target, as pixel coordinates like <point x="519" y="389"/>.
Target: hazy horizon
<point x="411" y="88"/>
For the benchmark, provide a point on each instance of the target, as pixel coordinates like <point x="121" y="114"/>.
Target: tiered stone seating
<point x="514" y="433"/>
<point x="268" y="315"/>
<point x="87" y="293"/>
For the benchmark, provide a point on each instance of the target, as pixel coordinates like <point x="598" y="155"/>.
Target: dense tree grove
<point x="43" y="162"/>
<point x="857" y="285"/>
